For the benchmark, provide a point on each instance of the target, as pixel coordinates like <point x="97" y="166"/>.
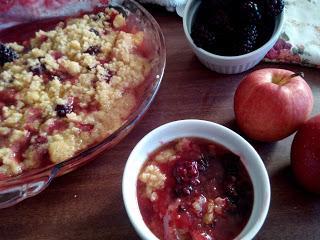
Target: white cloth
<point x="171" y="5"/>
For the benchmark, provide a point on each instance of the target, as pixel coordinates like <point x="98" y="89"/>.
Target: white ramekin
<point x="203" y="129"/>
<point x="228" y="64"/>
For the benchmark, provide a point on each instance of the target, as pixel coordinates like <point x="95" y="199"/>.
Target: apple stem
<point x="301" y="74"/>
<point x="284" y="80"/>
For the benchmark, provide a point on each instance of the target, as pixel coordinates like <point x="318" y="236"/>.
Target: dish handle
<point x="15" y="191"/>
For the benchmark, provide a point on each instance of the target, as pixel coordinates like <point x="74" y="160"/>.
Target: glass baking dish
<point x="17" y="188"/>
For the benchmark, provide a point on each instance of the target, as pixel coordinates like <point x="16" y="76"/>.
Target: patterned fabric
<point x="299" y="42"/>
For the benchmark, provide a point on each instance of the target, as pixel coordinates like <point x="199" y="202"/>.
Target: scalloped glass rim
<point x="120" y="133"/>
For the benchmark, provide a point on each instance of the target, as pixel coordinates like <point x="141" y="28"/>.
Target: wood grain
<point x="87" y="203"/>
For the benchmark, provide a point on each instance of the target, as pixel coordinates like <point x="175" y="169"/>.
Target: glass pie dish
<point x="16" y="188"/>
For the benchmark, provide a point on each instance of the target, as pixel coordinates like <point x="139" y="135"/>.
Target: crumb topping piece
<point x="154" y="180"/>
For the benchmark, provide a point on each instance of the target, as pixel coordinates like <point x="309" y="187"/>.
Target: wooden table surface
<point x="87" y="203"/>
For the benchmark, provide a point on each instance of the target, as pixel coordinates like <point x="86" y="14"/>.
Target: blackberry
<point x="183" y="190"/>
<point x="187" y="177"/>
<point x="93" y="50"/>
<point x="221" y="22"/>
<point x="63" y="110"/>
<point x="203" y="162"/>
<point x="274" y="7"/>
<point x="247" y="39"/>
<point x="265" y="30"/>
<point x="38" y="69"/>
<point x="203" y="37"/>
<point x="94" y="31"/>
<point x="250" y="11"/>
<point x="185" y="172"/>
<point x="7" y="54"/>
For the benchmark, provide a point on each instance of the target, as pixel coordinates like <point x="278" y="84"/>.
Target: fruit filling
<point x="68" y="87"/>
<point x="195" y="189"/>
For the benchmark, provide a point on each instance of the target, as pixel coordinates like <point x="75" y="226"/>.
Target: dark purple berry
<point x="7" y="54"/>
<point x="274" y="7"/>
<point x="93" y="50"/>
<point x="183" y="190"/>
<point x="185" y="172"/>
<point x="107" y="77"/>
<point x="63" y="110"/>
<point x="232" y="206"/>
<point x="203" y="162"/>
<point x="38" y="69"/>
<point x="203" y="37"/>
<point x="231" y="190"/>
<point x="195" y="181"/>
<point x="221" y="22"/>
<point x="182" y="208"/>
<point x="248" y="39"/>
<point x="94" y="31"/>
<point x="250" y="11"/>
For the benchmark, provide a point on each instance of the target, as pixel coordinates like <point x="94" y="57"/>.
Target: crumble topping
<point x="154" y="180"/>
<point x="166" y="156"/>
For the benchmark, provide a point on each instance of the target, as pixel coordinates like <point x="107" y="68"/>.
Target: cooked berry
<point x="274" y="7"/>
<point x="183" y="190"/>
<point x="94" y="31"/>
<point x="203" y="162"/>
<point x="182" y="208"/>
<point x="7" y="54"/>
<point x="250" y="11"/>
<point x="195" y="181"/>
<point x="203" y="37"/>
<point x="63" y="110"/>
<point x="185" y="172"/>
<point x="232" y="166"/>
<point x="248" y="39"/>
<point x="231" y="188"/>
<point x="93" y="50"/>
<point x="108" y="76"/>
<point x="38" y="69"/>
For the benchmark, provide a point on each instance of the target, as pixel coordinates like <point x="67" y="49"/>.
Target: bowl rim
<point x="53" y="169"/>
<point x="266" y="45"/>
<point x="259" y="212"/>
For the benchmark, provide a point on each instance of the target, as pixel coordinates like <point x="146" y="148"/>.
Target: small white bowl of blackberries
<point x="232" y="36"/>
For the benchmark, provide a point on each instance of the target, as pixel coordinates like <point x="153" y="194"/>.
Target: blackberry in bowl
<point x="232" y="36"/>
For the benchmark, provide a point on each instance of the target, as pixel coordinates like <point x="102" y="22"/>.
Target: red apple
<point x="270" y="104"/>
<point x="305" y="155"/>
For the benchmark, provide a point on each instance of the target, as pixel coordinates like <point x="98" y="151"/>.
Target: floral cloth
<point x="299" y="42"/>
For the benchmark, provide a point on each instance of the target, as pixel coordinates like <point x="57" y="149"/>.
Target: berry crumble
<point x="192" y="188"/>
<point x="68" y="88"/>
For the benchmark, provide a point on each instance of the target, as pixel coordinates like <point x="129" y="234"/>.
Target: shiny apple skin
<point x="305" y="155"/>
<point x="266" y="111"/>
